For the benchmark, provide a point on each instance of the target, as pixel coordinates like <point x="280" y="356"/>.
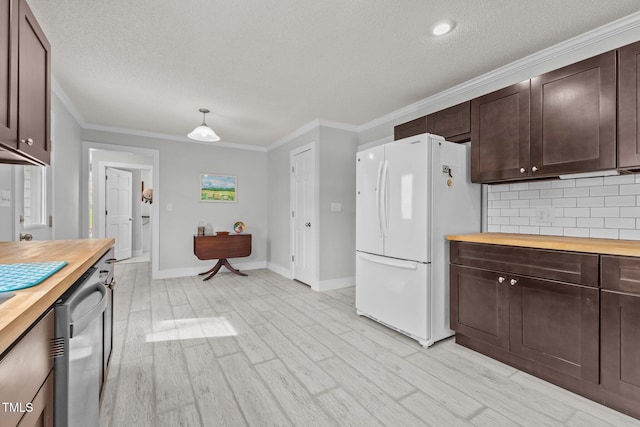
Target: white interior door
<point x="303" y="218"/>
<point x="369" y="164"/>
<point x="119" y="210"/>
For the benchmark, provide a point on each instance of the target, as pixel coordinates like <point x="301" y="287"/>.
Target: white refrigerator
<point x="410" y="194"/>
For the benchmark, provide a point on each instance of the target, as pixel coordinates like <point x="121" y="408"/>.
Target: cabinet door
<point x="480" y="305"/>
<point x="620" y="349"/>
<point x="453" y="123"/>
<point x="573" y="118"/>
<point x="500" y="134"/>
<point x="412" y="128"/>
<point x="556" y="325"/>
<point x="8" y="72"/>
<point x="42" y="405"/>
<point x="628" y="111"/>
<point x="34" y="84"/>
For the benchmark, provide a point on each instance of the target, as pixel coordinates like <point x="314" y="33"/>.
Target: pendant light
<point x="203" y="132"/>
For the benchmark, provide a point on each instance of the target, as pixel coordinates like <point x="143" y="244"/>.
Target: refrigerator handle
<point x="383" y="198"/>
<point x="389" y="262"/>
<point x="378" y="195"/>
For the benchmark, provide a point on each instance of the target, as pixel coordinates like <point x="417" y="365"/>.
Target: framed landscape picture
<point x="218" y="188"/>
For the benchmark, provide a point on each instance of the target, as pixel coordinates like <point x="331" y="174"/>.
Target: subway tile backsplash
<point x="605" y="207"/>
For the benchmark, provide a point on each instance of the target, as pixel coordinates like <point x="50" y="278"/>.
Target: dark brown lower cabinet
<point x="549" y="314"/>
<point x="620" y="339"/>
<point x="551" y="323"/>
<point x="621" y="344"/>
<point x="556" y="325"/>
<point x="480" y="305"/>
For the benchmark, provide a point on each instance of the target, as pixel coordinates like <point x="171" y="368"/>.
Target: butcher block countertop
<point x="573" y="244"/>
<point x="20" y="312"/>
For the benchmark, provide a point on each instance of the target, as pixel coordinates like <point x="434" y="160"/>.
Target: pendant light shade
<point x="203" y="132"/>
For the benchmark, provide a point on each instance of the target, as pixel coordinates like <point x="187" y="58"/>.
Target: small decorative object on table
<point x="239" y="227"/>
<point x="201" y="228"/>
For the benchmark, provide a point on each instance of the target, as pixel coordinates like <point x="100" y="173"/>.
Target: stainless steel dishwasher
<point x="79" y="327"/>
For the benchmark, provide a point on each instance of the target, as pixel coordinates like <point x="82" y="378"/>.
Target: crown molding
<point x="603" y="34"/>
<point x="169" y="137"/>
<point x="66" y="101"/>
<point x="310" y="126"/>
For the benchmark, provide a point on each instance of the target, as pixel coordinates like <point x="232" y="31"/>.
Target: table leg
<point x="213" y="271"/>
<point x="217" y="267"/>
<point x="233" y="270"/>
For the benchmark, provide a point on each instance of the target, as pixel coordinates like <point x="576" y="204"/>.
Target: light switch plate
<point x="5" y="199"/>
<point x="336" y="207"/>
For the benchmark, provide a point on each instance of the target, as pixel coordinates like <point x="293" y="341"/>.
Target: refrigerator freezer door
<point x="368" y="220"/>
<point x="406" y="198"/>
<point x="394" y="292"/>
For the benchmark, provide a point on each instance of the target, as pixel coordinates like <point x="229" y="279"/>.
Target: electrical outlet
<point x="544" y="215"/>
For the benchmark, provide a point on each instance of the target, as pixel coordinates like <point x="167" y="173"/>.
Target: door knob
<point x="308" y="224"/>
<point x="28" y="237"/>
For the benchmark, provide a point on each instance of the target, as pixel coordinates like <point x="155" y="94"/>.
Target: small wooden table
<point x="221" y="247"/>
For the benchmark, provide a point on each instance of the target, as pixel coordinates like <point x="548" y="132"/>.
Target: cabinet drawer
<point x="25" y="367"/>
<point x="570" y="267"/>
<point x="620" y="274"/>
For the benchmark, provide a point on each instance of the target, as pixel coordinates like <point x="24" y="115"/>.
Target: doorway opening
<point x="141" y="166"/>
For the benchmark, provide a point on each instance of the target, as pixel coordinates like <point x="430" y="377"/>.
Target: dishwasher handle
<point x="78" y="325"/>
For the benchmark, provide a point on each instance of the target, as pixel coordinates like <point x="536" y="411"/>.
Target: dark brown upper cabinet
<point x="558" y="123"/>
<point x="34" y="88"/>
<point x="411" y="128"/>
<point x="628" y="112"/>
<point x="573" y="118"/>
<point x="500" y="134"/>
<point x="9" y="72"/>
<point x="25" y="80"/>
<point x="453" y="123"/>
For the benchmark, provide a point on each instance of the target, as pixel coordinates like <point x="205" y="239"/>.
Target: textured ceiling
<point x="264" y="68"/>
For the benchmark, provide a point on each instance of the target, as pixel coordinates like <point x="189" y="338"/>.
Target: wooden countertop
<point x="20" y="312"/>
<point x="574" y="244"/>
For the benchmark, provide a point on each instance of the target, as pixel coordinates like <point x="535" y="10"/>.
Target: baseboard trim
<point x="194" y="271"/>
<point x="283" y="271"/>
<point x="333" y="284"/>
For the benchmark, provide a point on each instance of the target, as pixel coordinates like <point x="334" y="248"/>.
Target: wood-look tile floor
<point x="264" y="350"/>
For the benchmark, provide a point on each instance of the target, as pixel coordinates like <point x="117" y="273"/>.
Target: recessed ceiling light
<point x="443" y="27"/>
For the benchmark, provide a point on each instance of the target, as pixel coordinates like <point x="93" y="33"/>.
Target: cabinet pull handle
<point x="522" y="170"/>
<point x="535" y="169"/>
<point x="501" y="279"/>
<point x="513" y="282"/>
<point x="28" y="141"/>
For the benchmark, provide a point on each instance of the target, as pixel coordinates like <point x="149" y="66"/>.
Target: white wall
<point x="337" y="184"/>
<point x="335" y="161"/>
<point x="278" y="176"/>
<point x="181" y="163"/>
<point x="6" y="213"/>
<point x="65" y="170"/>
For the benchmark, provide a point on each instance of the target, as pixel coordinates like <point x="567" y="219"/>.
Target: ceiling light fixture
<point x="203" y="132"/>
<point x="443" y="27"/>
